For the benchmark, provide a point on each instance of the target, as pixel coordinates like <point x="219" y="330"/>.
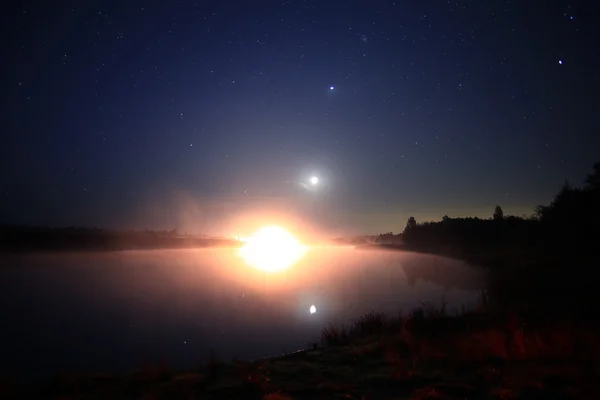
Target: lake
<point x="118" y="311"/>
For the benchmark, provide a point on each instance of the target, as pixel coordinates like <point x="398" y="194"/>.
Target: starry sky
<point x="210" y="116"/>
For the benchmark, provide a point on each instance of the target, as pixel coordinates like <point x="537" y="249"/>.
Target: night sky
<point x="212" y="116"/>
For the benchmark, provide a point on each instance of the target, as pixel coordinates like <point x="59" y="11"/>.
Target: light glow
<point x="272" y="249"/>
<point x="314" y="180"/>
<point x="313" y="309"/>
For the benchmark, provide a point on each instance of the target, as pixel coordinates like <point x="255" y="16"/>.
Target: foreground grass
<point x="425" y="355"/>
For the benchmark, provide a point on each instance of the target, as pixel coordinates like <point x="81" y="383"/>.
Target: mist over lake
<point x="117" y="311"/>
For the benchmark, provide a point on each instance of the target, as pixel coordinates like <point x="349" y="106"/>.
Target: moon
<point x="314" y="180"/>
<point x="313" y="309"/>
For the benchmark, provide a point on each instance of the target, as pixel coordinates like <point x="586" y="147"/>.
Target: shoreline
<point x="412" y="249"/>
<point x="17" y="241"/>
<point x="491" y="352"/>
<point x="479" y="259"/>
<point x="115" y="249"/>
<point x="478" y="354"/>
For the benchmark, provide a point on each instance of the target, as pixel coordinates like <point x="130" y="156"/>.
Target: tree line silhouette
<point x="546" y="262"/>
<point x="569" y="224"/>
<point x="26" y="239"/>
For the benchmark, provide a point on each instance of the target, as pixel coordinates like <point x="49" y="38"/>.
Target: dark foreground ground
<point x="427" y="355"/>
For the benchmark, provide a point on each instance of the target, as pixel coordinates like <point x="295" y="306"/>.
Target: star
<point x="394" y="116"/>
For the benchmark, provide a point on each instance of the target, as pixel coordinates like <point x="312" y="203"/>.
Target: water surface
<point x="118" y="311"/>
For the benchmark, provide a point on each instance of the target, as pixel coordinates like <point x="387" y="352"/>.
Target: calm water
<point x="119" y="311"/>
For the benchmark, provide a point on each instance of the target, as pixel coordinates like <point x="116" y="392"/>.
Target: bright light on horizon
<point x="272" y="249"/>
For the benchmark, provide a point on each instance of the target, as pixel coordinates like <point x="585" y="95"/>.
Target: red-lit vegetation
<point x="536" y="334"/>
<point x="426" y="354"/>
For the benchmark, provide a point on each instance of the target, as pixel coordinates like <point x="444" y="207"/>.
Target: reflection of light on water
<point x="313" y="309"/>
<point x="272" y="249"/>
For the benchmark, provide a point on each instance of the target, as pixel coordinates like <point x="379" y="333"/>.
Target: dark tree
<point x="562" y="207"/>
<point x="592" y="182"/>
<point x="411" y="223"/>
<point x="498" y="213"/>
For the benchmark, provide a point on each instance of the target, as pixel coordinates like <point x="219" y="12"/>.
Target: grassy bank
<point x="426" y="354"/>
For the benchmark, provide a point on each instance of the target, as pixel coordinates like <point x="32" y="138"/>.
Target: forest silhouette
<point x="547" y="260"/>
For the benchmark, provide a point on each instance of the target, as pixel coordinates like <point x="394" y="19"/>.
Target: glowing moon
<point x="272" y="249"/>
<point x="313" y="309"/>
<point x="331" y="87"/>
<point x="314" y="180"/>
